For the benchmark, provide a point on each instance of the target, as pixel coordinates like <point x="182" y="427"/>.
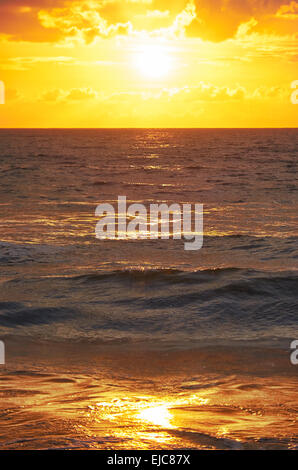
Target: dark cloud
<point x="19" y="20"/>
<point x="218" y="20"/>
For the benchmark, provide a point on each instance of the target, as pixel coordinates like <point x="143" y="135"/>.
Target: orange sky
<point x="148" y="63"/>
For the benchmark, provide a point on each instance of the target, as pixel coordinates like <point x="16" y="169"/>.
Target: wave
<point x="242" y="249"/>
<point x="172" y="275"/>
<point x="153" y="305"/>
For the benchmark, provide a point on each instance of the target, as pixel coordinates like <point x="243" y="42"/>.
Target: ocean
<point x="140" y="344"/>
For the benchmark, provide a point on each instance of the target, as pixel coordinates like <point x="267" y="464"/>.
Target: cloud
<point x="271" y="92"/>
<point x="53" y="20"/>
<point x="27" y="62"/>
<point x="82" y="21"/>
<point x="256" y="45"/>
<point x="157" y="14"/>
<point x="86" y="20"/>
<point x="11" y="94"/>
<point x="188" y="101"/>
<point x="73" y="95"/>
<point x="289" y="11"/>
<point x="79" y="94"/>
<point x="193" y="97"/>
<point x="203" y="92"/>
<point x="52" y="95"/>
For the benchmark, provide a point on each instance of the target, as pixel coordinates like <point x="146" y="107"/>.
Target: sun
<point x="153" y="62"/>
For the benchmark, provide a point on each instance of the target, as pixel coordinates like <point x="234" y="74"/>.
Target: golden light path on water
<point x="158" y="415"/>
<point x="144" y="419"/>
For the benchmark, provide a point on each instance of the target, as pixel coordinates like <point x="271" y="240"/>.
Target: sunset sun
<point x="153" y="62"/>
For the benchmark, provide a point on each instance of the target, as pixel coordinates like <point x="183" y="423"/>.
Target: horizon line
<point x="144" y="128"/>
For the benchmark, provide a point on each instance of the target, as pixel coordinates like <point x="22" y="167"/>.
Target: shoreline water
<point x="90" y="397"/>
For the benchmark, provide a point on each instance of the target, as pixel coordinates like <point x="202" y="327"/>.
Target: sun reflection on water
<point x="158" y="415"/>
<point x="141" y="419"/>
